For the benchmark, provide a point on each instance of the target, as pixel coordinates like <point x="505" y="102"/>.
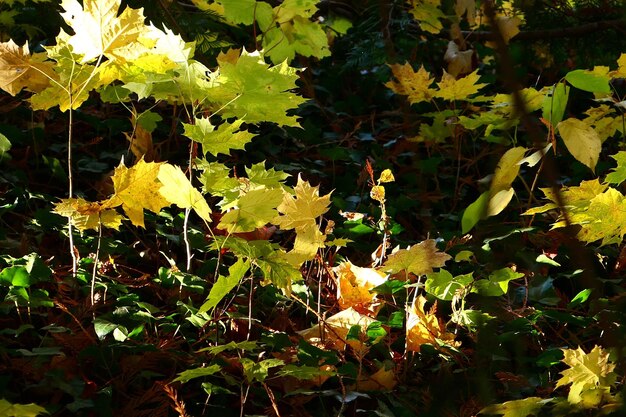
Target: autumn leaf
<point x="617" y="174"/>
<point x="587" y="373"/>
<point x="18" y="69"/>
<point x="424" y="327"/>
<point x="581" y="140"/>
<point x="508" y="27"/>
<point x="8" y="409"/>
<point x="98" y="29"/>
<point x="414" y="85"/>
<point x="177" y="189"/>
<point x="603" y="219"/>
<point x="419" y="259"/>
<point x="141" y="143"/>
<point x="137" y="188"/>
<point x="452" y="89"/>
<point x="87" y="215"/>
<point x="302" y="209"/>
<point x="254" y="209"/>
<point x="517" y="408"/>
<point x="428" y="15"/>
<point x="507" y="169"/>
<point x="382" y="380"/>
<point x="354" y="284"/>
<point x="334" y="331"/>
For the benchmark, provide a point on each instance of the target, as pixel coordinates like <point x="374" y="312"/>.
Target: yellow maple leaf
<point x="382" y="380"/>
<point x="354" y="284"/>
<point x="414" y="85"/>
<point x="452" y="89"/>
<point x="419" y="259"/>
<point x="333" y="333"/>
<point x="18" y="69"/>
<point x="424" y="327"/>
<point x="588" y="373"/>
<point x="137" y="188"/>
<point x="177" y="189"/>
<point x="99" y="31"/>
<point x="303" y="209"/>
<point x="141" y="143"/>
<point x="86" y="215"/>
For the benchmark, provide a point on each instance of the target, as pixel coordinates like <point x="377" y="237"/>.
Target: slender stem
<point x="186" y="238"/>
<point x="70" y="180"/>
<point x="95" y="266"/>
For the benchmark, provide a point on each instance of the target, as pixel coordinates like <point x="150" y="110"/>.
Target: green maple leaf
<point x="243" y="11"/>
<point x="177" y="189"/>
<point x="278" y="271"/>
<point x="617" y="174"/>
<point x="270" y="178"/>
<point x="299" y="36"/>
<point x="252" y="90"/>
<point x="216" y="180"/>
<point x="419" y="259"/>
<point x="586" y="372"/>
<point x="228" y="136"/>
<point x="254" y="209"/>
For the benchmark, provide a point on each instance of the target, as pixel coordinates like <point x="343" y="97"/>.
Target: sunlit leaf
<point x="424" y="327"/>
<point x="581" y="140"/>
<point x="18" y="69"/>
<point x="617" y="174"/>
<point x="354" y="284"/>
<point x="224" y="285"/>
<point x="419" y="259"/>
<point x="518" y="408"/>
<point x="177" y="189"/>
<point x="452" y="89"/>
<point x="258" y="371"/>
<point x="588" y="81"/>
<point x="136" y="189"/>
<point x="254" y="209"/>
<point x="414" y="85"/>
<point x="8" y="409"/>
<point x="87" y="215"/>
<point x="444" y="286"/>
<point x="190" y="374"/>
<point x="587" y="372"/>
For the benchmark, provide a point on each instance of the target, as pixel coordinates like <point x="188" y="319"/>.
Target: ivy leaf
<point x="224" y="285"/>
<point x="424" y="327"/>
<point x="178" y="190"/>
<point x="99" y="31"/>
<point x="302" y="210"/>
<point x="87" y="215"/>
<point x="254" y="209"/>
<point x="518" y="408"/>
<point x="355" y="283"/>
<point x="419" y="259"/>
<point x="444" y="286"/>
<point x="587" y="372"/>
<point x="18" y="69"/>
<point x="137" y="188"/>
<point x="227" y="137"/>
<point x="617" y="174"/>
<point x="452" y="89"/>
<point x="581" y="140"/>
<point x="414" y="85"/>
<point x="8" y="409"/>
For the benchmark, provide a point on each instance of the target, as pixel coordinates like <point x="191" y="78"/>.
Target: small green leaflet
<point x="224" y="285"/>
<point x="258" y="371"/>
<point x="304" y="372"/>
<point x="190" y="374"/>
<point x="497" y="284"/>
<point x="554" y="103"/>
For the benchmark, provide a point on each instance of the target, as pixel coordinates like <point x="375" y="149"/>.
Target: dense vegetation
<point x="242" y="207"/>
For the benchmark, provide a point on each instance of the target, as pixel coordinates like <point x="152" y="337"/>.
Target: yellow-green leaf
<point x="452" y="89"/>
<point x="87" y="215"/>
<point x="177" y="189"/>
<point x="414" y="85"/>
<point x="419" y="259"/>
<point x="254" y="209"/>
<point x="581" y="140"/>
<point x="302" y="209"/>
